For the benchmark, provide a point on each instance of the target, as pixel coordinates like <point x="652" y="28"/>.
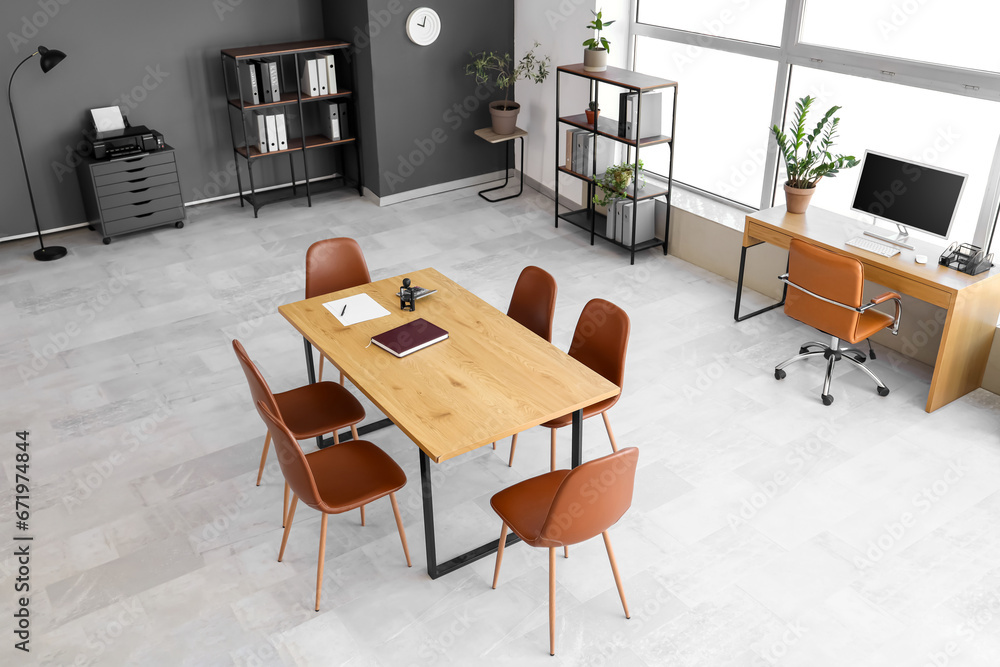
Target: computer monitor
<point x="908" y="194"/>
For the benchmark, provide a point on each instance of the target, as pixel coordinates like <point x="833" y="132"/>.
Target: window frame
<point x="791" y="52"/>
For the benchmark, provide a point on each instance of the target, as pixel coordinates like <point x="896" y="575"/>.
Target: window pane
<point x="942" y="130"/>
<point x="723" y="112"/>
<point x="958" y="32"/>
<point x="748" y="20"/>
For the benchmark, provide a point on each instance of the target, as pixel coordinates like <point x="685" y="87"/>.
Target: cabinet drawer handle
<point x="144" y="215"/>
<point x="132" y="171"/>
<point x="133" y="159"/>
<point x="138" y="180"/>
<point x="140" y="190"/>
<point x="142" y="203"/>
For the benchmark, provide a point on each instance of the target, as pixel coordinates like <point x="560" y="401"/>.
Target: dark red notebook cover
<point x="410" y="337"/>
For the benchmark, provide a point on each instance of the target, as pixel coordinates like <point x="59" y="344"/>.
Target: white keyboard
<point x="872" y="246"/>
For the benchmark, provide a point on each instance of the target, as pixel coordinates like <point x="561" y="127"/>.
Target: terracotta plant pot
<point x="595" y="60"/>
<point x="592" y="116"/>
<point x="797" y="199"/>
<point x="504" y="119"/>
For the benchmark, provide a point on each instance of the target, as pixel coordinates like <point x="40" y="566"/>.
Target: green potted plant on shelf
<point x="805" y="169"/>
<point x="488" y="65"/>
<point x="595" y="57"/>
<point x="614" y="182"/>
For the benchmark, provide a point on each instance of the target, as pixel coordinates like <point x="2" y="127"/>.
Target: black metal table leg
<point x="577" y="430"/>
<point x="506" y="171"/>
<point x="739" y="293"/>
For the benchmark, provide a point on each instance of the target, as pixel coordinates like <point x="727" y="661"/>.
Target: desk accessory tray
<point x="966" y="258"/>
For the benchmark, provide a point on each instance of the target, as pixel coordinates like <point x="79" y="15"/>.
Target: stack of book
<point x="335" y="122"/>
<point x="580" y="152"/>
<point x="319" y="75"/>
<point x="272" y="134"/>
<point x="259" y="81"/>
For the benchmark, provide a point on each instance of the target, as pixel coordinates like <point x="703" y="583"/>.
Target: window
<point x="717" y="150"/>
<point x="747" y="20"/>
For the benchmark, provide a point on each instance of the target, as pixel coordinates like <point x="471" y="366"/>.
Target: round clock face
<point x="423" y="26"/>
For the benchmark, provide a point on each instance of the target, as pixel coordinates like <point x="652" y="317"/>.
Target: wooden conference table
<point x="490" y="379"/>
<point x="972" y="302"/>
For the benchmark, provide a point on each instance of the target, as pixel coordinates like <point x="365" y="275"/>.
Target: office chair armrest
<point x="882" y="298"/>
<point x="784" y="278"/>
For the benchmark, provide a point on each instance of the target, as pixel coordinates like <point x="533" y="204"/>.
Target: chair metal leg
<point x="611" y="436"/>
<point x="513" y="446"/>
<point x="503" y="539"/>
<point x="868" y="370"/>
<point x="263" y="456"/>
<point x="322" y="553"/>
<point x="288" y="526"/>
<point x="614" y="570"/>
<point x="798" y="357"/>
<point x="399" y="527"/>
<point x="829" y="377"/>
<point x="552" y="598"/>
<point x="552" y="455"/>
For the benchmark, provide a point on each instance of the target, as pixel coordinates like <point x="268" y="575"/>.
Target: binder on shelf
<point x="331" y="122"/>
<point x="345" y="128"/>
<point x="321" y="75"/>
<point x="645" y="222"/>
<point x="569" y="149"/>
<point x="282" y="136"/>
<point x="272" y="134"/>
<point x="271" y="77"/>
<point x="248" y="83"/>
<point x="652" y="115"/>
<point x="261" y="132"/>
<point x="310" y="78"/>
<point x="262" y="75"/>
<point x="327" y="62"/>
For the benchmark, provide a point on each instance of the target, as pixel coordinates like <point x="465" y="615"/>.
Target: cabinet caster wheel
<point x="883" y="391"/>
<point x="827" y="399"/>
<point x="179" y="225"/>
<point x="91" y="228"/>
<point x="779" y="374"/>
<point x="107" y="241"/>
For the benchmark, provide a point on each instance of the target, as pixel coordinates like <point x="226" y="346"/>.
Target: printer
<point x="111" y="135"/>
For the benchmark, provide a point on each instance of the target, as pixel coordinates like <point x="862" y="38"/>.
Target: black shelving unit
<point x="607" y="129"/>
<point x="291" y="96"/>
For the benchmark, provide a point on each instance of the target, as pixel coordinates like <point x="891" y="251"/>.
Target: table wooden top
<point x="833" y="230"/>
<point x="487" y="134"/>
<point x="490" y="379"/>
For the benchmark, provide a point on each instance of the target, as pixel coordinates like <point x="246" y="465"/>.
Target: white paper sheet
<point x="359" y="308"/>
<point x="107" y="119"/>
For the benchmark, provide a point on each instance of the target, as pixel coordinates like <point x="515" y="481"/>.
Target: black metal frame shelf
<point x="588" y="218"/>
<point x="233" y="59"/>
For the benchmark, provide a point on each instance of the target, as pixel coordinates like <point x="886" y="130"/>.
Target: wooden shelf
<point x="284" y="48"/>
<point x="620" y="77"/>
<point x="295" y="144"/>
<point x="581" y="219"/>
<point x="606" y="127"/>
<point x="289" y="98"/>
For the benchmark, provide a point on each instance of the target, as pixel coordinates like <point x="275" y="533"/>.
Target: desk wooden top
<point x="832" y="231"/>
<point x="490" y="379"/>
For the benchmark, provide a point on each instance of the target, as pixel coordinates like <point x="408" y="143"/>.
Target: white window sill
<point x="724" y="213"/>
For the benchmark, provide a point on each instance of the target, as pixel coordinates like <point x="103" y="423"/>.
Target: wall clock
<point x="423" y="26"/>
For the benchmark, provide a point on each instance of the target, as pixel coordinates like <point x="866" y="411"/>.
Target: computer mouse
<point x="920" y="259"/>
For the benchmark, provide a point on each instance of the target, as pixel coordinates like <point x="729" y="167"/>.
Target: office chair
<point x="310" y="411"/>
<point x="600" y="342"/>
<point x="334" y="480"/>
<point x="532" y="305"/>
<point x="558" y="509"/>
<point x="333" y="265"/>
<point x="826" y="294"/>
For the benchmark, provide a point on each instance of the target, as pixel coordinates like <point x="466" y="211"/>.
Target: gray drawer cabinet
<point x="131" y="193"/>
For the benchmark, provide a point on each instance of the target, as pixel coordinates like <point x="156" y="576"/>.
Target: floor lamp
<point x="48" y="58"/>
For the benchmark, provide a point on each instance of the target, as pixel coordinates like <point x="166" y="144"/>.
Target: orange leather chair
<point x="334" y="480"/>
<point x="566" y="507"/>
<point x="533" y="306"/>
<point x="599" y="342"/>
<point x="827" y="292"/>
<point x="309" y="411"/>
<point x="333" y="265"/>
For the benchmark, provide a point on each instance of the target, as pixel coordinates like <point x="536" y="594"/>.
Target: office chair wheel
<point x="779" y="374"/>
<point x="827" y="399"/>
<point x="107" y="240"/>
<point x="179" y="224"/>
<point x="883" y="391"/>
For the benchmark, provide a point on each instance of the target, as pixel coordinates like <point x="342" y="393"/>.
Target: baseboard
<point x="551" y="193"/>
<point x="389" y="200"/>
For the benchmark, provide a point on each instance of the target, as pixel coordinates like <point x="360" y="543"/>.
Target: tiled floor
<point x="766" y="529"/>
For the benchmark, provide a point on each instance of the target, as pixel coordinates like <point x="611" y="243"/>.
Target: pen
<point x="344" y="310"/>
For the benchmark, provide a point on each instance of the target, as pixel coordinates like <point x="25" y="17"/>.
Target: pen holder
<point x="406" y="299"/>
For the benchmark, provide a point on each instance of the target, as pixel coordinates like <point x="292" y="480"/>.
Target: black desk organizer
<point x="966" y="258"/>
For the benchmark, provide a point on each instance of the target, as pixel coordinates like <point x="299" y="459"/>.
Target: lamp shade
<point x="49" y="58"/>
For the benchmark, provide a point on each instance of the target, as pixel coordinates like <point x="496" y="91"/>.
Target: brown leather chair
<point x="566" y="507"/>
<point x="311" y="410"/>
<point x="599" y="342"/>
<point x="533" y="306"/>
<point x="333" y="265"/>
<point x="827" y="293"/>
<point x="334" y="480"/>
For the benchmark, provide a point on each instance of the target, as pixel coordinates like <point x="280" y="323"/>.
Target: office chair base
<point x="832" y="353"/>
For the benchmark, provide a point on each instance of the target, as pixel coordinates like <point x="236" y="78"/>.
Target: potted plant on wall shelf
<point x="488" y="65"/>
<point x="805" y="169"/>
<point x="595" y="57"/>
<point x="614" y="182"/>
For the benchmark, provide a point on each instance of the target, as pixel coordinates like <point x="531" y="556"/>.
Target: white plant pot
<point x="595" y="60"/>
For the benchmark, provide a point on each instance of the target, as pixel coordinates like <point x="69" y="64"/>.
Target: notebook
<point x="410" y="337"/>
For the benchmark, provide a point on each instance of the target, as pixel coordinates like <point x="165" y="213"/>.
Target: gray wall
<point x="419" y="116"/>
<point x="113" y="46"/>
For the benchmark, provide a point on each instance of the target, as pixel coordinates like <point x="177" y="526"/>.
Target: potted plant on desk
<point x="805" y="170"/>
<point x="595" y="57"/>
<point x="488" y="65"/>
